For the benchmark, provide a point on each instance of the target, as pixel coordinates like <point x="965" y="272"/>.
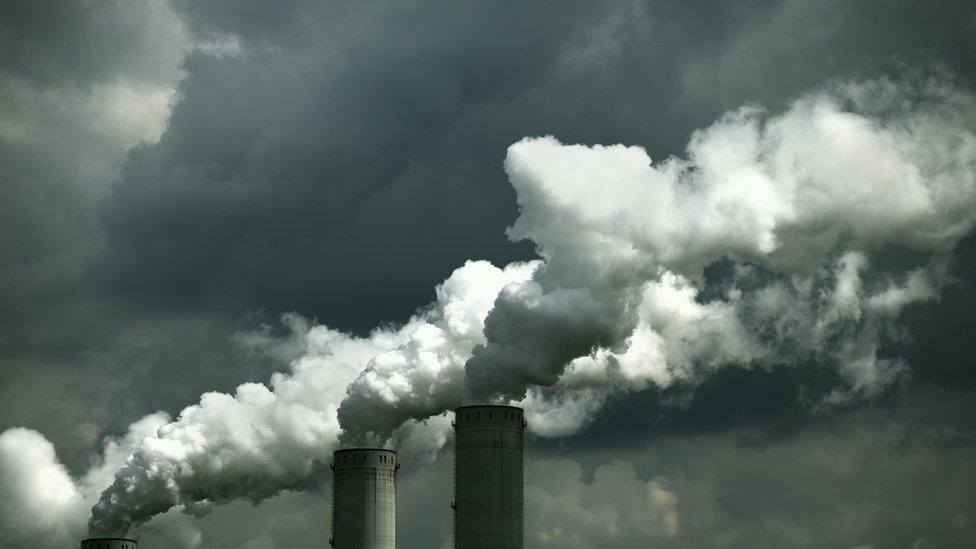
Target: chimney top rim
<point x="364" y="450"/>
<point x="505" y="406"/>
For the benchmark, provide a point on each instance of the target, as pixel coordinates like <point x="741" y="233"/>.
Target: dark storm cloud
<point x="306" y="178"/>
<point x="837" y="486"/>
<point x="354" y="152"/>
<point x="942" y="345"/>
<point x="79" y="84"/>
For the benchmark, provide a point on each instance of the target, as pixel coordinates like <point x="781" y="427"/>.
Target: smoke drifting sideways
<point x="801" y="205"/>
<point x="265" y="439"/>
<point x="797" y="202"/>
<point x="804" y="209"/>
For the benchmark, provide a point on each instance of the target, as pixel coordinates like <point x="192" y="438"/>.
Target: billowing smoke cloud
<point x="766" y="246"/>
<point x="425" y="375"/>
<point x="797" y="205"/>
<point x="42" y="505"/>
<point x="801" y="206"/>
<point x="40" y="498"/>
<point x="265" y="439"/>
<point x="800" y="210"/>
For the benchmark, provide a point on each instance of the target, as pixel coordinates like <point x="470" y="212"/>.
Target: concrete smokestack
<point x="109" y="543"/>
<point x="488" y="505"/>
<point x="364" y="493"/>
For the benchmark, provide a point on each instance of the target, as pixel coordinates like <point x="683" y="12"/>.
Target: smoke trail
<point x="797" y="202"/>
<point x="265" y="439"/>
<point x="42" y="505"/>
<point x="796" y="205"/>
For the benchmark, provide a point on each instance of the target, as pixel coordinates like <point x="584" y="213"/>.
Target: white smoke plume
<point x="42" y="506"/>
<point x="799" y="206"/>
<point x="265" y="439"/>
<point x="799" y="203"/>
<point x="40" y="499"/>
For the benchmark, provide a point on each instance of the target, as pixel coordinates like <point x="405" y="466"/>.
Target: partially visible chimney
<point x="364" y="494"/>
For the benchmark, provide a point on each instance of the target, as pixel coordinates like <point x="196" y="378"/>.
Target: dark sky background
<point x="174" y="174"/>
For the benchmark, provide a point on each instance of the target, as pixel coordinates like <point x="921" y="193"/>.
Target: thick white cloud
<point x="864" y="161"/>
<point x="796" y="202"/>
<point x="42" y="505"/>
<point x="425" y="375"/>
<point x="40" y="502"/>
<point x="561" y="411"/>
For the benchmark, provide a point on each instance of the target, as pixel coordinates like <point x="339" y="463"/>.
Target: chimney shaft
<point x="488" y="478"/>
<point x="364" y="493"/>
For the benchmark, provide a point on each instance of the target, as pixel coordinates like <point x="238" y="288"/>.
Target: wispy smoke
<point x="768" y="244"/>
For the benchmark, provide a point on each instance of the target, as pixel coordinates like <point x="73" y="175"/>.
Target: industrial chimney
<point x="488" y="507"/>
<point x="109" y="543"/>
<point x="364" y="493"/>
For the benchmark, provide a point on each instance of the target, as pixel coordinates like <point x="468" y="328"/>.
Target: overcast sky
<point x="722" y="252"/>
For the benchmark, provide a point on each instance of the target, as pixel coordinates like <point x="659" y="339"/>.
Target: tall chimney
<point x="364" y="494"/>
<point x="488" y="504"/>
<point x="109" y="543"/>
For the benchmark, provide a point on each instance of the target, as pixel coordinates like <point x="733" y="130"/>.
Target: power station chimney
<point x="364" y="494"/>
<point x="109" y="543"/>
<point x="488" y="505"/>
